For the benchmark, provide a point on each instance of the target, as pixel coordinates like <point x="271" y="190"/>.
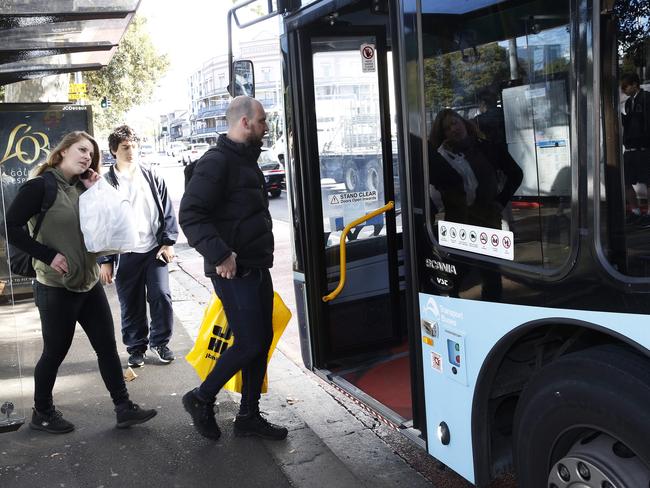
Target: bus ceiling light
<point x="444" y="436"/>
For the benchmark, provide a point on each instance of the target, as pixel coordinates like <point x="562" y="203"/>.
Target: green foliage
<point x="633" y="31"/>
<point x="454" y="79"/>
<point x="128" y="80"/>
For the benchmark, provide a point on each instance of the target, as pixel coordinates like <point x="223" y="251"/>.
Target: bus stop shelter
<point x="39" y="38"/>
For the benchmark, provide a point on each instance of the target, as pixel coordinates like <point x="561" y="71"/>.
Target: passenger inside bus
<point x="490" y="119"/>
<point x="636" y="138"/>
<point x="476" y="179"/>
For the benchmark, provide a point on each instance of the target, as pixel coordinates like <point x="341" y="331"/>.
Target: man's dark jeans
<point x="142" y="278"/>
<point x="60" y="310"/>
<point x="248" y="303"/>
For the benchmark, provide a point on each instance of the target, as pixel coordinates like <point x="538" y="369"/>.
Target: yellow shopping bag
<point x="215" y="337"/>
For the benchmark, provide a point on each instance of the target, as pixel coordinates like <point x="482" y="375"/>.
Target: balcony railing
<point x="212" y="111"/>
<point x="208" y="130"/>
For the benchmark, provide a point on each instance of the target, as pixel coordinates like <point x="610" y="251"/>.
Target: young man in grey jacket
<point x="143" y="273"/>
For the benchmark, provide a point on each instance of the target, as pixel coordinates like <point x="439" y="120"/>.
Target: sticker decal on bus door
<point x="480" y="240"/>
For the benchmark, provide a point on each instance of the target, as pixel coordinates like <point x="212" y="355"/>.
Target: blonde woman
<point x="67" y="288"/>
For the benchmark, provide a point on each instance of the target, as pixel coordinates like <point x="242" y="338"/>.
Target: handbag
<point x="106" y="219"/>
<point x="215" y="337"/>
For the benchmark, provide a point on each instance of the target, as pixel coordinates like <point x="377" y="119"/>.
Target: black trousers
<point x="142" y="278"/>
<point x="248" y="303"/>
<point x="60" y="310"/>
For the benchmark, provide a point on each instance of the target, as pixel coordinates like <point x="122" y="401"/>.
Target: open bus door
<point x="359" y="338"/>
<point x="343" y="132"/>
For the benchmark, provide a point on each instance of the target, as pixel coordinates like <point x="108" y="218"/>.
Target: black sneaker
<point x="255" y="424"/>
<point x="202" y="414"/>
<point x="136" y="359"/>
<point x="52" y="422"/>
<point x="165" y="355"/>
<point x="132" y="414"/>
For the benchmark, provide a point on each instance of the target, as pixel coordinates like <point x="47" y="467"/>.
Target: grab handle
<point x="389" y="206"/>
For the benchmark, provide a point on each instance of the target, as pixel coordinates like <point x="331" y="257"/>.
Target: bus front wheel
<point x="583" y="420"/>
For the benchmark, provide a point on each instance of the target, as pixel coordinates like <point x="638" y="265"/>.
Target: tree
<point x="453" y="79"/>
<point x="128" y="80"/>
<point x="633" y="31"/>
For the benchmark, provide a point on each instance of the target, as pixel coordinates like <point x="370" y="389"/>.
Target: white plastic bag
<point x="106" y="219"/>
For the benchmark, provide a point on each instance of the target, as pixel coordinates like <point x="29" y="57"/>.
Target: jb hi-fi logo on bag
<point x="220" y="340"/>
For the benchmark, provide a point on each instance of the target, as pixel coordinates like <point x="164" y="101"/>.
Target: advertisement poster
<point x="28" y="132"/>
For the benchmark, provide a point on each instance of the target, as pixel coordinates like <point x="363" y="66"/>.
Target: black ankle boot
<point x="255" y="424"/>
<point x="202" y="414"/>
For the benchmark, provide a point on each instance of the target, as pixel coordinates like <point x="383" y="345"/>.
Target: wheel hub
<point x="599" y="461"/>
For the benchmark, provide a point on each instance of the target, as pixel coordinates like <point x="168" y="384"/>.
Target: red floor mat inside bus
<point x="388" y="382"/>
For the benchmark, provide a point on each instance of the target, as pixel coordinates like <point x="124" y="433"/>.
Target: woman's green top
<point x="60" y="230"/>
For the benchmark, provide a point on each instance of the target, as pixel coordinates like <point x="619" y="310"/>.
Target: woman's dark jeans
<point x="248" y="303"/>
<point x="60" y="310"/>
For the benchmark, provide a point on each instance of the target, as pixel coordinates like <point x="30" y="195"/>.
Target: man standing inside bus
<point x="636" y="138"/>
<point x="224" y="214"/>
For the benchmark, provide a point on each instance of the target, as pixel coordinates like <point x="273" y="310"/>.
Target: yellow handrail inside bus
<point x="389" y="206"/>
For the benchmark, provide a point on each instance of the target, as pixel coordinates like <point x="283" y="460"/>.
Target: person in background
<point x="636" y="138"/>
<point x="476" y="177"/>
<point x="142" y="276"/>
<point x="224" y="214"/>
<point x="67" y="288"/>
<point x="490" y="119"/>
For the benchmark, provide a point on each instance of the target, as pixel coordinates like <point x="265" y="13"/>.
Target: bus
<point x="488" y="295"/>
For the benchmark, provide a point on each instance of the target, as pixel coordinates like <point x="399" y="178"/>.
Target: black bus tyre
<point x="275" y="193"/>
<point x="351" y="176"/>
<point x="373" y="176"/>
<point x="583" y="421"/>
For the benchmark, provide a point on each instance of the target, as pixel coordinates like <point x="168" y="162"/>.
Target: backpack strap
<point x="49" y="196"/>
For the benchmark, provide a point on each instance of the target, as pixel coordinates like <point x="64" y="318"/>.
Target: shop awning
<point x="47" y="37"/>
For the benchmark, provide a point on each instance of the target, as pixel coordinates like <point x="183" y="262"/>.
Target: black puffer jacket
<point x="225" y="208"/>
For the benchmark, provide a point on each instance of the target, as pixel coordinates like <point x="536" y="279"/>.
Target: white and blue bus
<point x="487" y="293"/>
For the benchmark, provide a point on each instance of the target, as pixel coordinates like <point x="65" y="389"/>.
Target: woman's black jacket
<point x="225" y="208"/>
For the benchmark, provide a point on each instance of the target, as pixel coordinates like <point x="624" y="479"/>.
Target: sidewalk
<point x="330" y="444"/>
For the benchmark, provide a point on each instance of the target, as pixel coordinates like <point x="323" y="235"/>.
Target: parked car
<point x="193" y="152"/>
<point x="273" y="170"/>
<point x="106" y="158"/>
<point x="175" y="148"/>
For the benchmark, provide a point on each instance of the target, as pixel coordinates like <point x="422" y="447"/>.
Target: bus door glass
<point x="12" y="413"/>
<point x="625" y="161"/>
<point x="497" y="85"/>
<point x="366" y="342"/>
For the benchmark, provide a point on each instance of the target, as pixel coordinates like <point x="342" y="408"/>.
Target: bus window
<point x="497" y="84"/>
<point x="625" y="162"/>
<point x="349" y="142"/>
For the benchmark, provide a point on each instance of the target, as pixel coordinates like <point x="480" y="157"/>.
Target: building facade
<point x="208" y="89"/>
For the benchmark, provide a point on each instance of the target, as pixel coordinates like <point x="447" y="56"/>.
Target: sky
<point x="189" y="32"/>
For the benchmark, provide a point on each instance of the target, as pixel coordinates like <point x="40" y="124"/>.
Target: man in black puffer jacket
<point x="224" y="214"/>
